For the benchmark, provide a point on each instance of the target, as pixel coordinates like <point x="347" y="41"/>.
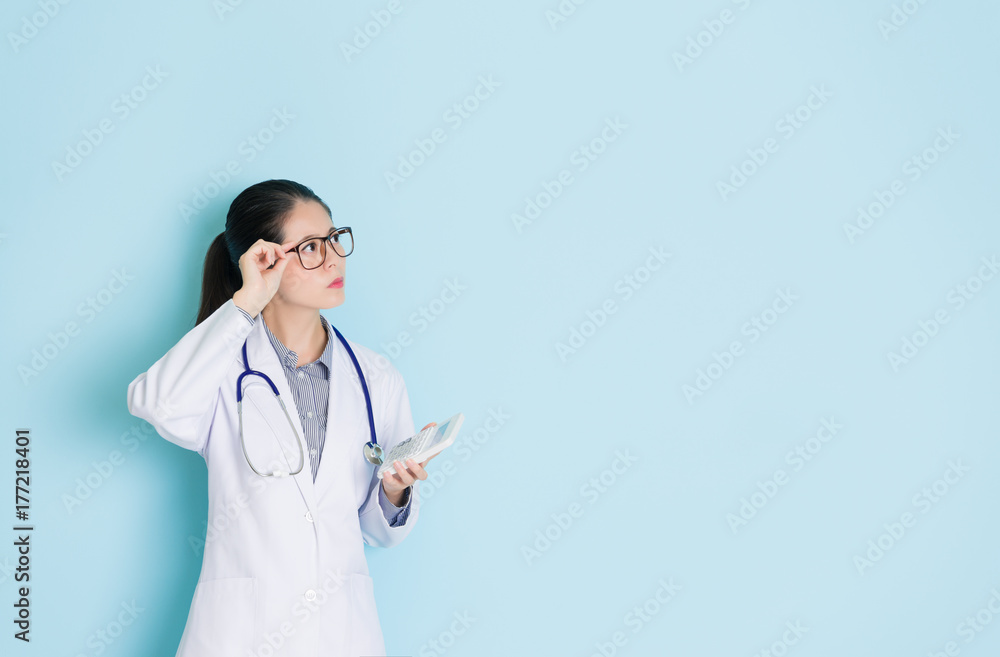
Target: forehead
<point x="307" y="219"/>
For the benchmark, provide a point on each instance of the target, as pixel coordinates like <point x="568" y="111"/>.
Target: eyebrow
<point x="312" y="236"/>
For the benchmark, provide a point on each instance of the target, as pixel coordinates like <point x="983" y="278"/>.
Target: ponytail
<point x="221" y="280"/>
<point x="258" y="212"/>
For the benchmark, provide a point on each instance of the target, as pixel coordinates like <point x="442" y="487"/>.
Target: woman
<point x="293" y="499"/>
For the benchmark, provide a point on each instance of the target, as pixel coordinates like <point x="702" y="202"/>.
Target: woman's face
<point x="311" y="287"/>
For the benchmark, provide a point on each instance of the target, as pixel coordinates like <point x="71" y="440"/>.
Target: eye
<point x="308" y="247"/>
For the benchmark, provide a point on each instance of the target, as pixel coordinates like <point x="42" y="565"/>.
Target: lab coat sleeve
<point x="376" y="528"/>
<point x="246" y="314"/>
<point x="178" y="394"/>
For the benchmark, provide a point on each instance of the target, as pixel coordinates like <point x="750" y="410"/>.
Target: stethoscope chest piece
<point x="373" y="453"/>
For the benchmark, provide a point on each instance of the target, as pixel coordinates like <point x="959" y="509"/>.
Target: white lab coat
<point x="284" y="569"/>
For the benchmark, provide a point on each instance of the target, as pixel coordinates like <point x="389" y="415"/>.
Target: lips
<point x="337" y="282"/>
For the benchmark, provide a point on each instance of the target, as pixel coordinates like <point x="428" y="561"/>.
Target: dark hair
<point x="258" y="212"/>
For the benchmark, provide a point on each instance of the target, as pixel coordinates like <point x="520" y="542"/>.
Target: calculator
<point x="423" y="445"/>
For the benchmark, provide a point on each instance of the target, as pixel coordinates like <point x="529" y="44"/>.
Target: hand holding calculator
<point x="422" y="445"/>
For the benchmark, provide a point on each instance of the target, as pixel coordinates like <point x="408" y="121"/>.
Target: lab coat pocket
<point x="366" y="633"/>
<point x="222" y="618"/>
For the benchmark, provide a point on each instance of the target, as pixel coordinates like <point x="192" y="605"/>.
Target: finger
<point x="416" y="470"/>
<point x="274" y="256"/>
<point x="252" y="252"/>
<point x="404" y="475"/>
<point x="281" y="260"/>
<point x="428" y="459"/>
<point x="262" y="254"/>
<point x="431" y="424"/>
<point x="261" y="246"/>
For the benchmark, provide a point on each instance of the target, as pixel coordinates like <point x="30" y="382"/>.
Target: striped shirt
<point x="310" y="385"/>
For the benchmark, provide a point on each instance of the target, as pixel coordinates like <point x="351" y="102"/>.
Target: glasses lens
<point x="343" y="243"/>
<point x="311" y="253"/>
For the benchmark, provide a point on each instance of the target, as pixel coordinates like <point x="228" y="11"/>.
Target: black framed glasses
<point x="312" y="252"/>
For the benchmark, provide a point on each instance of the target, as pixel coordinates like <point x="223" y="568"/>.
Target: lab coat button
<point x="310" y="595"/>
<point x="309" y="516"/>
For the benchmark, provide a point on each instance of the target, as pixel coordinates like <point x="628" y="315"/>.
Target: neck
<point x="298" y="328"/>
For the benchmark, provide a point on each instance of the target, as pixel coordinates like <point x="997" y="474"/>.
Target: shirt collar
<point x="289" y="359"/>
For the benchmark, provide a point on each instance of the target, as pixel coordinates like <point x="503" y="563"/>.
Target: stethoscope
<point x="372" y="450"/>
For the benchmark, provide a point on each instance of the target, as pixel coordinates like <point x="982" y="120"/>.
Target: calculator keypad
<point x="410" y="447"/>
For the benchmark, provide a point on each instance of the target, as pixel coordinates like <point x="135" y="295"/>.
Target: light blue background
<point x="495" y="347"/>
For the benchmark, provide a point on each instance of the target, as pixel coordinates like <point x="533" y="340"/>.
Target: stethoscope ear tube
<point x="239" y="412"/>
<point x="372" y="450"/>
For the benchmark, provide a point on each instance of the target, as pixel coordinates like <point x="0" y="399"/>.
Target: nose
<point x="332" y="258"/>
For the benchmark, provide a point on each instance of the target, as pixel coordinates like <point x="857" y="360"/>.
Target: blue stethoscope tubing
<point x="372" y="450"/>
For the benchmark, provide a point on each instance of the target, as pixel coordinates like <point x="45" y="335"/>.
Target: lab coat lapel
<point x="342" y="422"/>
<point x="263" y="358"/>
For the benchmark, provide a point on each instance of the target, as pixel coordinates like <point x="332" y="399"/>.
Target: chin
<point x="334" y="300"/>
